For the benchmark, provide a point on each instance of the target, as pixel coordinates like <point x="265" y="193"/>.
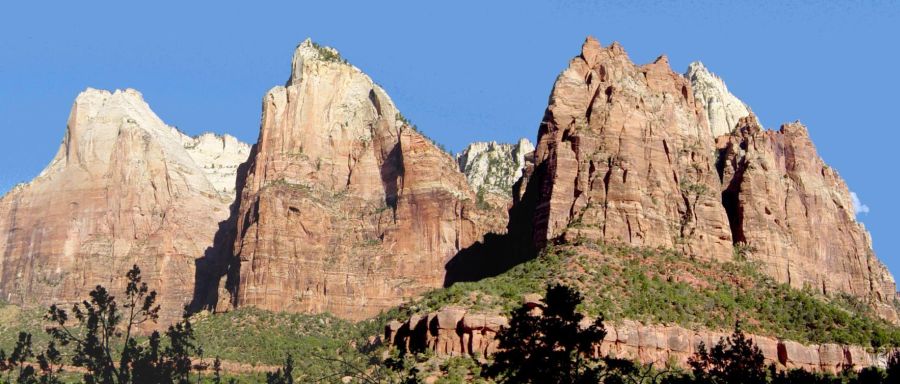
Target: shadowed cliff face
<point x="625" y="154"/>
<point x="345" y="208"/>
<point x="124" y="189"/>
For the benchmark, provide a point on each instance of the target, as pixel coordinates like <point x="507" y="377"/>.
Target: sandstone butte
<point x="627" y="153"/>
<point x="123" y="189"/>
<point x="345" y="208"/>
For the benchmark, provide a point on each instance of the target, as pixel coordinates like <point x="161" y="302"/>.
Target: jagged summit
<point x="723" y="109"/>
<point x="642" y="155"/>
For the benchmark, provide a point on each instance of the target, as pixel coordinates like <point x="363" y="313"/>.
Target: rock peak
<point x="309" y="53"/>
<point x="723" y="109"/>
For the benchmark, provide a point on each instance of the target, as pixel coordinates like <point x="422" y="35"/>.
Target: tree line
<point x="549" y="346"/>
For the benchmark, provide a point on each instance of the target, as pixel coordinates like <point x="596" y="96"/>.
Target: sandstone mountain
<point x="628" y="154"/>
<point x="492" y="167"/>
<point x="345" y="207"/>
<point x="122" y="190"/>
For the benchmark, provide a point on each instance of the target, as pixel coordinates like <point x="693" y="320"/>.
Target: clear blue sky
<point x="463" y="71"/>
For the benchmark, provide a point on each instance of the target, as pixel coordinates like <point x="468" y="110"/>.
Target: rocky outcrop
<point x="722" y="109"/>
<point x="122" y="190"/>
<point x="345" y="208"/>
<point x="455" y="332"/>
<point x="492" y="167"/>
<point x="794" y="213"/>
<point x="625" y="154"/>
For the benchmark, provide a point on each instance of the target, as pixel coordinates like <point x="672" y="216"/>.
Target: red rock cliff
<point x="793" y="213"/>
<point x="625" y="154"/>
<point x="345" y="208"/>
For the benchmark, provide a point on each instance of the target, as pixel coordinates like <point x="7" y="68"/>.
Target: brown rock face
<point x="624" y="154"/>
<point x="122" y="190"/>
<point x="795" y="215"/>
<point x="345" y="208"/>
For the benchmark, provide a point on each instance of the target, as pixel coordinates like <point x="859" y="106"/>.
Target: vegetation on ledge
<point x="661" y="286"/>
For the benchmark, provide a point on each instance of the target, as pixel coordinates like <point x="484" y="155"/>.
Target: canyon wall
<point x="123" y="189"/>
<point x="345" y="207"/>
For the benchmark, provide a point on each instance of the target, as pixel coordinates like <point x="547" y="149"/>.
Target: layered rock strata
<point x="345" y="208"/>
<point x="456" y="332"/>
<point x="122" y="190"/>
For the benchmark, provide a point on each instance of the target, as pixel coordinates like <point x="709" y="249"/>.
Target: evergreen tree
<point x="104" y="345"/>
<point x="734" y="360"/>
<point x="549" y="347"/>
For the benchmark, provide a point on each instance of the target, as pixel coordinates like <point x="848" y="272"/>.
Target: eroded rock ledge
<point x="454" y="331"/>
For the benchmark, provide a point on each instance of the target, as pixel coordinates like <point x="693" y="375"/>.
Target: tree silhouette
<point x="734" y="360"/>
<point x="284" y="375"/>
<point x="103" y="341"/>
<point x="893" y="367"/>
<point x="549" y="347"/>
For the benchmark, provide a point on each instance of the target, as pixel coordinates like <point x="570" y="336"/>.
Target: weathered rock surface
<point x="794" y="214"/>
<point x="219" y="156"/>
<point x="122" y="190"/>
<point x="723" y="110"/>
<point x="492" y="167"/>
<point x="345" y="208"/>
<point x="625" y="154"/>
<point x="474" y="334"/>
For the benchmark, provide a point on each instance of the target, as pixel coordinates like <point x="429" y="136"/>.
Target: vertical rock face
<point x="794" y="213"/>
<point x="492" y="167"/>
<point x="723" y="110"/>
<point x="122" y="190"/>
<point x="625" y="154"/>
<point x="345" y="208"/>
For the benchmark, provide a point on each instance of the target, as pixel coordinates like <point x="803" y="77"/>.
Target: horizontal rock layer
<point x="456" y="332"/>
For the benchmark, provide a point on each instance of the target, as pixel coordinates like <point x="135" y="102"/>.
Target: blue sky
<point x="462" y="70"/>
